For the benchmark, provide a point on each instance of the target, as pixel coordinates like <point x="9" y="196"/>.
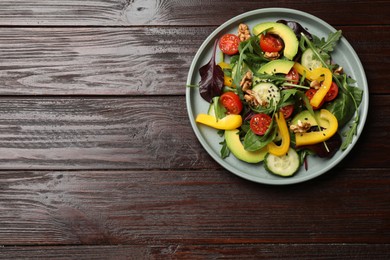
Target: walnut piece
<point x="243" y="32"/>
<point x="246" y="81"/>
<point x="271" y="55"/>
<point x="300" y="127"/>
<point x="339" y="71"/>
<point x="315" y="84"/>
<point x="254" y="99"/>
<point x="250" y="98"/>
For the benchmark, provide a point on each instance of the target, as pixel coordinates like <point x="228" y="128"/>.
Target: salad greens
<point x="280" y="115"/>
<point x="211" y="75"/>
<point x="350" y="97"/>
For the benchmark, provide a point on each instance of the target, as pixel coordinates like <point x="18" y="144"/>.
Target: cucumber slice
<point x="211" y="110"/>
<point x="309" y="60"/>
<point x="266" y="91"/>
<point x="285" y="165"/>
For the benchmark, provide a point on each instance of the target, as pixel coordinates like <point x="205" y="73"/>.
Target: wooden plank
<point x="124" y="133"/>
<point x="131" y="61"/>
<point x="190" y="207"/>
<point x="174" y="12"/>
<point x="180" y="251"/>
<point x="104" y="61"/>
<point x="131" y="133"/>
<point x="140" y="133"/>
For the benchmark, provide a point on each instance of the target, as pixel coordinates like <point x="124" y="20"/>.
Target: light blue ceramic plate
<point x="344" y="55"/>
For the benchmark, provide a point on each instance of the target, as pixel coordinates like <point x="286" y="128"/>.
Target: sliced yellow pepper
<point x="227" y="81"/>
<point x="284" y="132"/>
<point x="229" y="122"/>
<point x="317" y="75"/>
<point x="326" y="120"/>
<point x="224" y="65"/>
<point x="325" y="86"/>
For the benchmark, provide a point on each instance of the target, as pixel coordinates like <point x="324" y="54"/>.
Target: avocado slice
<point x="304" y="116"/>
<point x="283" y="31"/>
<point x="276" y="66"/>
<point x="235" y="146"/>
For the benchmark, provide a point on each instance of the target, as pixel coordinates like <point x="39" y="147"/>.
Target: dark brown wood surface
<point x="98" y="159"/>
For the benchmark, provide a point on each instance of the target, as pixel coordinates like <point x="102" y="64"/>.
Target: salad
<point x="276" y="96"/>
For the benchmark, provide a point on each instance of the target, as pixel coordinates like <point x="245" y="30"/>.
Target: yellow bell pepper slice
<point x="317" y="75"/>
<point x="326" y="120"/>
<point x="325" y="86"/>
<point x="229" y="122"/>
<point x="227" y="81"/>
<point x="285" y="134"/>
<point x="224" y="65"/>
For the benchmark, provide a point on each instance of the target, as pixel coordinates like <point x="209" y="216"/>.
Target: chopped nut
<point x="339" y="70"/>
<point x="271" y="55"/>
<point x="246" y="81"/>
<point x="300" y="127"/>
<point x="315" y="84"/>
<point x="250" y="98"/>
<point x="243" y="32"/>
<point x="253" y="99"/>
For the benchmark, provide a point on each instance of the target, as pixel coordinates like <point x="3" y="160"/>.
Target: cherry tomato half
<point x="229" y="44"/>
<point x="270" y="43"/>
<point x="310" y="93"/>
<point x="260" y="123"/>
<point x="332" y="92"/>
<point x="293" y="76"/>
<point x="287" y="111"/>
<point x="231" y="102"/>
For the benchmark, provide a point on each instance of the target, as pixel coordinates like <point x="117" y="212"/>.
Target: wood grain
<point x="175" y="12"/>
<point x="186" y="207"/>
<point x="98" y="159"/>
<point x="58" y="61"/>
<point x="180" y="251"/>
<point x="130" y="133"/>
<point x="134" y="61"/>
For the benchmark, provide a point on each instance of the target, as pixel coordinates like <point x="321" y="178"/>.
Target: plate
<point x="344" y="55"/>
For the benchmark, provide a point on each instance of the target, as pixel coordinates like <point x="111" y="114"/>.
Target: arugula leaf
<point x="286" y="99"/>
<point x="254" y="61"/>
<point x="287" y="93"/>
<point x="321" y="47"/>
<point x="219" y="109"/>
<point x="238" y="73"/>
<point x="349" y="97"/>
<point x="341" y="108"/>
<point x="331" y="42"/>
<point x="224" y="152"/>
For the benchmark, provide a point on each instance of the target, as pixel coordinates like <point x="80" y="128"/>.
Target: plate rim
<point x="363" y="110"/>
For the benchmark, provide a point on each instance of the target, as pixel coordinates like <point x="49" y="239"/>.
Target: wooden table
<point x="99" y="160"/>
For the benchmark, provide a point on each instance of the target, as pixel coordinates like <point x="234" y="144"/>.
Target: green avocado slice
<point x="235" y="146"/>
<point x="283" y="31"/>
<point x="276" y="66"/>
